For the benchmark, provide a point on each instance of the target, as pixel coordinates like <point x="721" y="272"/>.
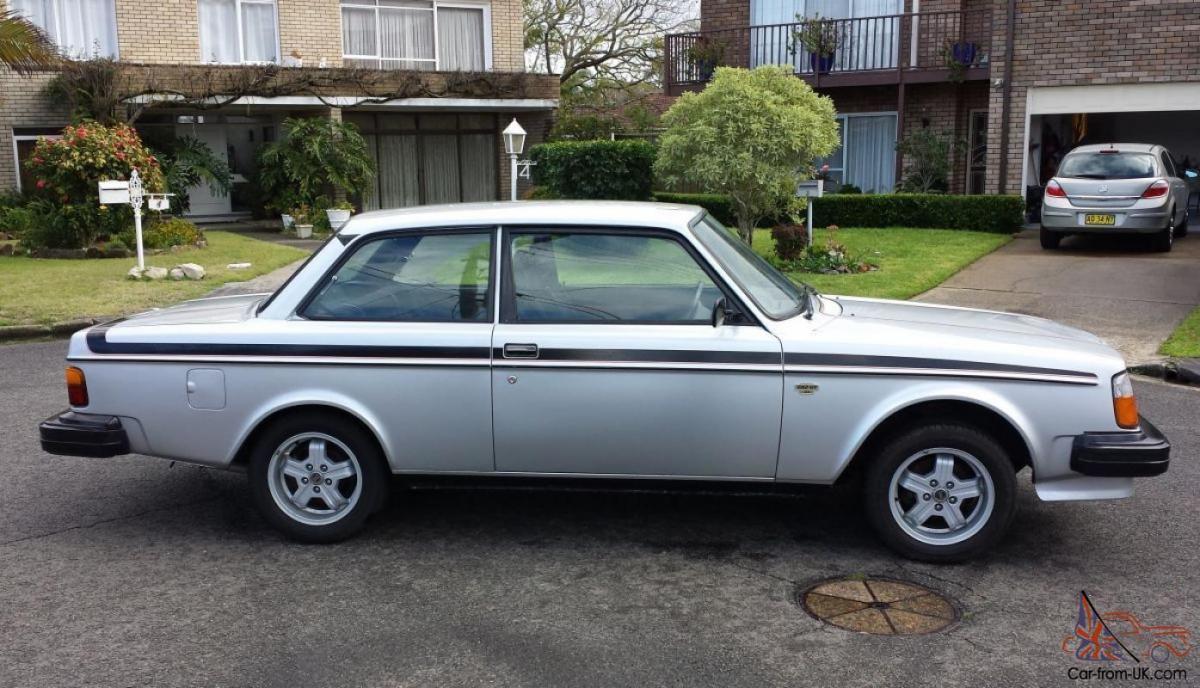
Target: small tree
<point x="927" y="155"/>
<point x="315" y="158"/>
<point x="747" y="135"/>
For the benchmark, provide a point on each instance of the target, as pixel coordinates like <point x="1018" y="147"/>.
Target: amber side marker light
<point x="76" y="387"/>
<point x="1124" y="403"/>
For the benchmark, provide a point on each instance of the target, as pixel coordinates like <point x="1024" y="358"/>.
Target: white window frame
<point x="16" y="151"/>
<point x="842" y="117"/>
<point x="116" y="54"/>
<point x="437" y="48"/>
<point x="241" y="44"/>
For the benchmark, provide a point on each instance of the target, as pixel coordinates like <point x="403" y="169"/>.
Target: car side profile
<point x="1117" y="188"/>
<point x="610" y="340"/>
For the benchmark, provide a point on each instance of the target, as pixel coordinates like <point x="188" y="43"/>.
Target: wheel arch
<point x="282" y="409"/>
<point x="989" y="417"/>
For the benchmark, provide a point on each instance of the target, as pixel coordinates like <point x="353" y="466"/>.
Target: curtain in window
<point x="479" y="167"/>
<point x="440" y="163"/>
<point x="370" y="197"/>
<point x="358" y="31"/>
<point x="398" y="171"/>
<point x="870" y="153"/>
<point x="460" y="39"/>
<point x="873" y="41"/>
<point x="258" y="32"/>
<point x="769" y="43"/>
<point x="406" y="33"/>
<point x="218" y="31"/>
<point x="80" y="28"/>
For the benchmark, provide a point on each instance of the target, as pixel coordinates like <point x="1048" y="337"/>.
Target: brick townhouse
<point x="1019" y="81"/>
<point x="430" y="83"/>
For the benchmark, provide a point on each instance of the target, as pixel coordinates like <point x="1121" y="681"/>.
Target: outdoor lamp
<point x="514" y="138"/>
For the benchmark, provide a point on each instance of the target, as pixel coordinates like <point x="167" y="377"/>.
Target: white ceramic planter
<point x="303" y="231"/>
<point x="287" y="221"/>
<point x="337" y="218"/>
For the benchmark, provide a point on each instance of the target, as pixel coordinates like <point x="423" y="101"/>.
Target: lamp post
<point x="136" y="198"/>
<point x="514" y="143"/>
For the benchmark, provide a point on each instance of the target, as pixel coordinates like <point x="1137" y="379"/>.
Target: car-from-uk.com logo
<point x="1117" y="644"/>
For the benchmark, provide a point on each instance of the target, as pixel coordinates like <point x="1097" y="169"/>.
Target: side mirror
<point x="1191" y="174"/>
<point x="719" y="312"/>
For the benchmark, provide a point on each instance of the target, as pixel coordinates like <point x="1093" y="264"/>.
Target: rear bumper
<point x="1127" y="221"/>
<point x="83" y="434"/>
<point x="1121" y="454"/>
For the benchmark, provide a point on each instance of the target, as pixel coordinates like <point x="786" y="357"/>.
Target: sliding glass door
<point x="867" y="157"/>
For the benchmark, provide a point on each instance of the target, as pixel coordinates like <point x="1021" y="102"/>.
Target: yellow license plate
<point x="1092" y="219"/>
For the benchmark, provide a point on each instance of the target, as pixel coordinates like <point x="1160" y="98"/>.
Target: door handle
<point x="520" y="351"/>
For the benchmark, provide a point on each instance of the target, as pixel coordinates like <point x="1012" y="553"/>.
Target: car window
<point x="595" y="277"/>
<point x="436" y="277"/>
<point x="1168" y="167"/>
<point x="1107" y="166"/>
<point x="774" y="293"/>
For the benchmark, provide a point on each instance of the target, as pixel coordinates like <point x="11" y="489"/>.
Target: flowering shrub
<point x="66" y="171"/>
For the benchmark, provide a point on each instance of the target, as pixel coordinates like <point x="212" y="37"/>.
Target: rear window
<point x="1108" y="166"/>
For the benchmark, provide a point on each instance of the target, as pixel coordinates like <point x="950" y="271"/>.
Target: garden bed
<point x="911" y="261"/>
<point x="1184" y="342"/>
<point x="43" y="291"/>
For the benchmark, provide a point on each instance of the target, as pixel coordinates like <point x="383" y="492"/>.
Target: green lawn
<point x="910" y="260"/>
<point x="1184" y="342"/>
<point x="37" y="292"/>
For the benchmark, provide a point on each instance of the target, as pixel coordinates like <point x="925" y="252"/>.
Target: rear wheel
<point x="941" y="493"/>
<point x="1050" y="240"/>
<point x="1182" y="229"/>
<point x="1164" y="240"/>
<point x="316" y="477"/>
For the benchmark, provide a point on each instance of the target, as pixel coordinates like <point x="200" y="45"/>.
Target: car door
<point x="605" y="361"/>
<point x="1179" y="187"/>
<point x="414" y="309"/>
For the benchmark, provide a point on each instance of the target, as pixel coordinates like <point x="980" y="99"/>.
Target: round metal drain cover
<point x="878" y="605"/>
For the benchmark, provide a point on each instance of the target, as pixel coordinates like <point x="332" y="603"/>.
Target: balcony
<point x="901" y="48"/>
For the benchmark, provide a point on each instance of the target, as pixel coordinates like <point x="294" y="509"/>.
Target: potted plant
<point x="820" y="38"/>
<point x="339" y="214"/>
<point x="957" y="56"/>
<point x="302" y="221"/>
<point x="706" y="54"/>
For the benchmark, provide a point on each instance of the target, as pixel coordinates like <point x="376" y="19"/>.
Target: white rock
<point x="134" y="273"/>
<point x="177" y="274"/>
<point x="238" y="266"/>
<point x="192" y="271"/>
<point x="156" y="273"/>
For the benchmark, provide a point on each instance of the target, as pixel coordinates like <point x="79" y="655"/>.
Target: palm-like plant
<point x="24" y="48"/>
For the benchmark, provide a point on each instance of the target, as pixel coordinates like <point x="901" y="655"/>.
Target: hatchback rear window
<point x="1107" y="166"/>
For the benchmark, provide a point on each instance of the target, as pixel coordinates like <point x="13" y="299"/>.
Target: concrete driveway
<point x="1111" y="286"/>
<point x="131" y="572"/>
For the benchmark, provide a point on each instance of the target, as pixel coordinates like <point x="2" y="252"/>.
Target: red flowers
<point x="41" y="183"/>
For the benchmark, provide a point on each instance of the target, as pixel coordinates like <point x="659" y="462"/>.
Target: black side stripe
<point x="867" y="361"/>
<point x="98" y="342"/>
<point x="648" y="356"/>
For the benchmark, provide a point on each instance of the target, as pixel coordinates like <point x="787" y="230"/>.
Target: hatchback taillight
<point x="1053" y="189"/>
<point x="1156" y="190"/>
<point x="77" y="394"/>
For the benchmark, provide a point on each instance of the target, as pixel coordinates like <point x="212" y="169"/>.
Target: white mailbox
<point x="114" y="192"/>
<point x="812" y="188"/>
<point x="159" y="203"/>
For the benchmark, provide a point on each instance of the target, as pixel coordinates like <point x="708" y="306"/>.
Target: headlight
<point x="1124" y="403"/>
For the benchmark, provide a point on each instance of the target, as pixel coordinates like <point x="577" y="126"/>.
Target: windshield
<point x="773" y="293"/>
<point x="1108" y="166"/>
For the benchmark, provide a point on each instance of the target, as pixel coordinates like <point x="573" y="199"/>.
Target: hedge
<point x="615" y="170"/>
<point x="935" y="211"/>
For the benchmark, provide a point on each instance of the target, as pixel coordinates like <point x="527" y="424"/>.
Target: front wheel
<point x="941" y="493"/>
<point x="316" y="477"/>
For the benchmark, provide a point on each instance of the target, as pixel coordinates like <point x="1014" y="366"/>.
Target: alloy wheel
<point x="314" y="478"/>
<point x="941" y="496"/>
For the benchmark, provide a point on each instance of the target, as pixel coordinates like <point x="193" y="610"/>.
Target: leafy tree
<point x="24" y="48"/>
<point x="748" y="135"/>
<point x="927" y="155"/>
<point x="315" y="158"/>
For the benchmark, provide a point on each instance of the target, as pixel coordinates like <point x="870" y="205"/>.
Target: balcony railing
<point x="870" y="50"/>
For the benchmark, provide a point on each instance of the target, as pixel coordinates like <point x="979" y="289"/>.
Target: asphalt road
<point x="1112" y="286"/>
<point x="130" y="572"/>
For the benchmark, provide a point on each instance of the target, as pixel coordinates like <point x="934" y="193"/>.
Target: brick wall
<point x="23" y="106"/>
<point x="1077" y="42"/>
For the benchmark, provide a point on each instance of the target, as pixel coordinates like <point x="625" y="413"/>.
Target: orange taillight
<point x="1124" y="402"/>
<point x="77" y="393"/>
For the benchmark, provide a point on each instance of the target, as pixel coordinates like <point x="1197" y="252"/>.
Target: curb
<point x="1179" y="371"/>
<point x="16" y="333"/>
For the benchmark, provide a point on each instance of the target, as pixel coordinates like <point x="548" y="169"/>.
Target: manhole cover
<point x="878" y="605"/>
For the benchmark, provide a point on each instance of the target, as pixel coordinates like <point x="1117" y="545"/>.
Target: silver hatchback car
<point x="1116" y="188"/>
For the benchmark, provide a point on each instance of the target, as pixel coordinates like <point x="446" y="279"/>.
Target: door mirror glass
<point x="718" y="312"/>
<point x="1191" y="174"/>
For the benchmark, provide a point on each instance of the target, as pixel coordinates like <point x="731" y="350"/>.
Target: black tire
<point x="368" y="488"/>
<point x="1050" y="240"/>
<point x="896" y="451"/>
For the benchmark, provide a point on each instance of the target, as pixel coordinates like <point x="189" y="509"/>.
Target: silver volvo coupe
<point x="604" y="340"/>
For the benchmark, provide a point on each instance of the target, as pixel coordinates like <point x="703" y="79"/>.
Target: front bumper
<point x="84" y="434"/>
<point x="1121" y="454"/>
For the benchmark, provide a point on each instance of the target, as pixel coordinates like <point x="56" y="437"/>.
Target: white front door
<point x="203" y="200"/>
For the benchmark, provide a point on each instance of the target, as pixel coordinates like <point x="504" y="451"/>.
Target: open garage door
<point x="1060" y="118"/>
